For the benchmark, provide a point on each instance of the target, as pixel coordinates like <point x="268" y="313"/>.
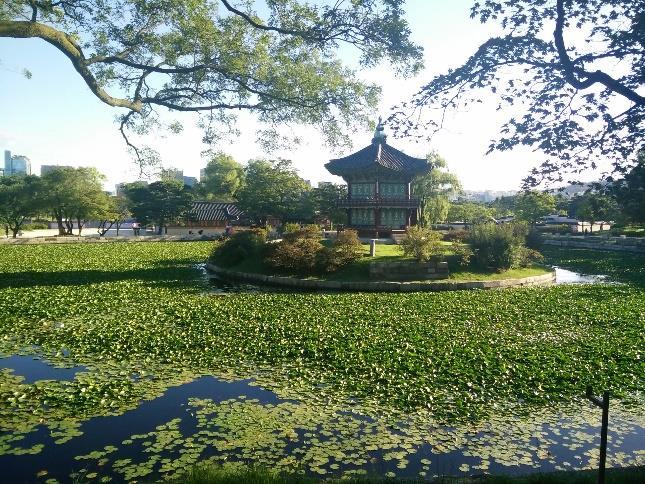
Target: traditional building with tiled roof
<point x="214" y="214"/>
<point x="378" y="181"/>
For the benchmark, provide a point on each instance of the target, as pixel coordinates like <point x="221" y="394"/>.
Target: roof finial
<point x="379" y="133"/>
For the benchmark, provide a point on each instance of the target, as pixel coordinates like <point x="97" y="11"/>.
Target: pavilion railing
<point x="377" y="201"/>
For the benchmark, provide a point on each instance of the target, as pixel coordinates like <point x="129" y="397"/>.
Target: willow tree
<point x="569" y="72"/>
<point x="434" y="189"/>
<point x="277" y="59"/>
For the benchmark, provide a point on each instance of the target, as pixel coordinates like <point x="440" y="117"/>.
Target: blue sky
<point x="53" y="118"/>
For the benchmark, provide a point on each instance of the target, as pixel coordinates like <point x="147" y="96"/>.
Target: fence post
<point x="604" y="404"/>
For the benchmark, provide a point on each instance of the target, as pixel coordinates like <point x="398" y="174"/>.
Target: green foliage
<point x="469" y="212"/>
<point x="161" y="202"/>
<point x="530" y="206"/>
<point x="20" y="198"/>
<point x="346" y="249"/>
<point x="493" y="347"/>
<point x="276" y="60"/>
<point x="239" y="246"/>
<point x="433" y="190"/>
<point x="500" y="247"/>
<point x="595" y="207"/>
<point x="456" y="235"/>
<point x="325" y="198"/>
<point x="74" y="195"/>
<point x="273" y="188"/>
<point x="223" y="178"/>
<point x="629" y="191"/>
<point x="298" y="252"/>
<point x="290" y="228"/>
<point x="576" y="106"/>
<point x="421" y="243"/>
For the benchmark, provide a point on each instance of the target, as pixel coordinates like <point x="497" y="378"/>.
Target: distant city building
<point x="16" y="164"/>
<point x="176" y="174"/>
<point x="44" y="169"/>
<point x="189" y="180"/>
<point x="202" y="174"/>
<point x="484" y="196"/>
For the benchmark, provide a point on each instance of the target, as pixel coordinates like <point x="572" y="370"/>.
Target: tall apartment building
<point x="16" y="164"/>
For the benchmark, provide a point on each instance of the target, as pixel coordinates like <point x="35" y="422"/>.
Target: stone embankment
<point x="374" y="286"/>
<point x="402" y="270"/>
<point x="597" y="242"/>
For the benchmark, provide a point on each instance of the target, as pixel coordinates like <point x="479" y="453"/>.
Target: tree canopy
<point x="160" y="202"/>
<point x="577" y="101"/>
<point x="20" y="198"/>
<point x="433" y="190"/>
<point x="273" y="188"/>
<point x="530" y="206"/>
<point x="276" y="59"/>
<point x="223" y="178"/>
<point x="74" y="195"/>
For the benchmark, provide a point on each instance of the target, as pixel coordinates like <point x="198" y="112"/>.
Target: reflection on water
<point x="237" y="421"/>
<point x="33" y="369"/>
<point x="565" y="276"/>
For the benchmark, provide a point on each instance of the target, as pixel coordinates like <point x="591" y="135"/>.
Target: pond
<point x="230" y="421"/>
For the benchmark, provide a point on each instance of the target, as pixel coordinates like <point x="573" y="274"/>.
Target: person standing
<point x="136" y="228"/>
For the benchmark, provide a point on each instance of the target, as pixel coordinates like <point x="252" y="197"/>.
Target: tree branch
<point x="590" y="78"/>
<point x="68" y="46"/>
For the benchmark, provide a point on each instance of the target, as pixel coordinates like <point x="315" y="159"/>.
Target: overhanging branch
<point x="68" y="46"/>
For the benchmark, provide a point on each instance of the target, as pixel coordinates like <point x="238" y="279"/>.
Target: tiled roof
<point x="203" y="211"/>
<point x="379" y="153"/>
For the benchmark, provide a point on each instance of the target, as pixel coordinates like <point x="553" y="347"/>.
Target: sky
<point x="54" y="119"/>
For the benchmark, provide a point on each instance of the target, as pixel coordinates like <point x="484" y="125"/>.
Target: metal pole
<point x="604" y="404"/>
<point x="603" y="437"/>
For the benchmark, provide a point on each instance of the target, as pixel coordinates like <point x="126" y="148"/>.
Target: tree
<point x="19" y="200"/>
<point x="433" y="189"/>
<point x="575" y="111"/>
<point x="630" y="192"/>
<point x="530" y="206"/>
<point x="273" y="188"/>
<point x="74" y="195"/>
<point x="469" y="213"/>
<point x="219" y="57"/>
<point x="326" y="197"/>
<point x="160" y="202"/>
<point x="114" y="215"/>
<point x="223" y="178"/>
<point x="595" y="207"/>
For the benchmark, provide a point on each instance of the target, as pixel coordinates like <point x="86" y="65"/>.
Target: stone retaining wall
<point x="402" y="270"/>
<point x="598" y="242"/>
<point x="384" y="286"/>
<point x="96" y="239"/>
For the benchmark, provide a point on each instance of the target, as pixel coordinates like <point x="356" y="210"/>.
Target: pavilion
<point x="378" y="181"/>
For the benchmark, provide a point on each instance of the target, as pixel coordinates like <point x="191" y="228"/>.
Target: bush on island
<point x="302" y="252"/>
<point x="501" y="247"/>
<point x="241" y="245"/>
<point x="422" y="243"/>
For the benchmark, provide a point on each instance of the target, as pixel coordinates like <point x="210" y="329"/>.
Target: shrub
<point x="289" y="228"/>
<point x="500" y="247"/>
<point x="534" y="239"/>
<point x="456" y="235"/>
<point x="241" y="245"/>
<point x="345" y="249"/>
<point x="421" y="243"/>
<point x="463" y="254"/>
<point x="298" y="254"/>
